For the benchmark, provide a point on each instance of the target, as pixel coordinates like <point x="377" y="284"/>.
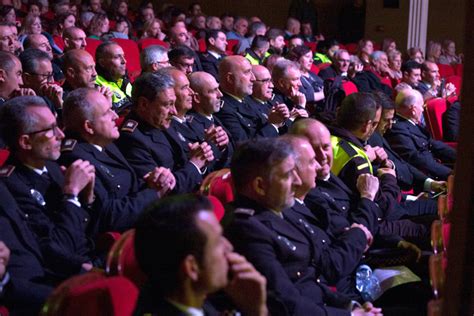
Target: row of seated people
<point x="160" y="152"/>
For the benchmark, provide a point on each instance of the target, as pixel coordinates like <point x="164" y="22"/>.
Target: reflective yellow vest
<point x="344" y="151"/>
<point x="323" y="58"/>
<point x="254" y="60"/>
<point x="119" y="97"/>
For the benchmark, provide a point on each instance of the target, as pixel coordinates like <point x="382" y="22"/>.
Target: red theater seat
<point x="4" y="311"/>
<point x="132" y="55"/>
<point x="349" y="87"/>
<point x="144" y="43"/>
<point x="92" y="294"/>
<point x="121" y="259"/>
<point x="230" y="46"/>
<point x="219" y="184"/>
<point x="434" y="112"/>
<point x="4" y="154"/>
<point x="446" y="70"/>
<point x="92" y="45"/>
<point x="351" y="48"/>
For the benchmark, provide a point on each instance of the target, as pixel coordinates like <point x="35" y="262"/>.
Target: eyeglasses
<point x="51" y="131"/>
<point x="48" y="77"/>
<point x="267" y="80"/>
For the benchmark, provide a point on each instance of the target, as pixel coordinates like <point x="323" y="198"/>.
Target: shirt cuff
<point x="427" y="185"/>
<point x="199" y="170"/>
<point x="74" y="201"/>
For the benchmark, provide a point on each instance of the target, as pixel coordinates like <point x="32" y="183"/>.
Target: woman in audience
<point x="62" y="22"/>
<point x="433" y="51"/>
<point x="7" y="14"/>
<point x="99" y="26"/>
<point x="122" y="29"/>
<point x="364" y="50"/>
<point x="31" y="25"/>
<point x="389" y="45"/>
<point x="312" y="84"/>
<point x="35" y="8"/>
<point x="395" y="65"/>
<point x="119" y="9"/>
<point x="152" y="29"/>
<point x="415" y="53"/>
<point x="448" y="54"/>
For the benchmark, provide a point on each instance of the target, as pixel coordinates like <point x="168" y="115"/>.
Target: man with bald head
<point x="74" y="38"/>
<point x="178" y="35"/>
<point x="262" y="98"/>
<point x="413" y="143"/>
<point x="79" y="70"/>
<point x="238" y="115"/>
<point x="206" y="102"/>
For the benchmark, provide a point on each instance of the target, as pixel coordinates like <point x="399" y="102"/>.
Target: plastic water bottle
<point x="367" y="284"/>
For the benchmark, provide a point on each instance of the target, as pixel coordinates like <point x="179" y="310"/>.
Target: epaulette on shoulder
<point x="68" y="145"/>
<point x="6" y="171"/>
<point x="129" y="126"/>
<point x="244" y="211"/>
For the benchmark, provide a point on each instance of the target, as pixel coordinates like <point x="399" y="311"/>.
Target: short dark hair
<point x="384" y="100"/>
<point x="212" y="34"/>
<point x="31" y="58"/>
<point x="324" y="46"/>
<point x="14" y="121"/>
<point x="274" y="33"/>
<point x="148" y="85"/>
<point x="165" y="234"/>
<point x="256" y="158"/>
<point x="180" y="51"/>
<point x="259" y="41"/>
<point x="297" y="52"/>
<point x="355" y="110"/>
<point x="100" y="53"/>
<point x="77" y="108"/>
<point x="409" y="65"/>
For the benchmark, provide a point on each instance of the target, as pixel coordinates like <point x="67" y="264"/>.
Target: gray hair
<point x="77" y="109"/>
<point x="149" y="85"/>
<point x="31" y="58"/>
<point x="339" y="52"/>
<point x="281" y="68"/>
<point x="14" y="119"/>
<point x="152" y="54"/>
<point x="377" y="55"/>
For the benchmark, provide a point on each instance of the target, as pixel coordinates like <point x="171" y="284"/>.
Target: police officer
<point x="146" y="140"/>
<point x="120" y="195"/>
<point x="51" y="201"/>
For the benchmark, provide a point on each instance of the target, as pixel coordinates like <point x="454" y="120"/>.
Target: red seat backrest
<point x="92" y="294"/>
<point x="92" y="45"/>
<point x="351" y="48"/>
<point x="4" y="154"/>
<point x="349" y="87"/>
<point x="445" y="70"/>
<point x="121" y="259"/>
<point x="311" y="45"/>
<point x="456" y="81"/>
<point x="459" y="69"/>
<point x="144" y="43"/>
<point x="230" y="46"/>
<point x="4" y="311"/>
<point x="434" y="112"/>
<point x="202" y="45"/>
<point x="132" y="55"/>
<point x="315" y="69"/>
<point x="218" y="207"/>
<point x="58" y="40"/>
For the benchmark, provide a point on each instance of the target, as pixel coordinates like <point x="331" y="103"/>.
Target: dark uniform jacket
<point x="146" y="147"/>
<point x="296" y="258"/>
<point x="120" y="195"/>
<point x="415" y="145"/>
<point x="408" y="177"/>
<point x="194" y="131"/>
<point x="367" y="81"/>
<point x="210" y="64"/>
<point x="58" y="225"/>
<point x="451" y="120"/>
<point x="243" y="121"/>
<point x="30" y="283"/>
<point x="328" y="73"/>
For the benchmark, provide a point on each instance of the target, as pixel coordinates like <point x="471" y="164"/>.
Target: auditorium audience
<point x="197" y="108"/>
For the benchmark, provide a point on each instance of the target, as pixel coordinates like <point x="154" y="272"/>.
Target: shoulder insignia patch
<point x="245" y="211"/>
<point x="6" y="171"/>
<point x="68" y="145"/>
<point x="129" y="126"/>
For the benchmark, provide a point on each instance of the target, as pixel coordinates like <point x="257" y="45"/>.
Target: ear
<point x="281" y="82"/>
<point x="154" y="67"/>
<point x="66" y="42"/>
<point x="212" y="41"/>
<point x="365" y="128"/>
<point x="24" y="142"/>
<point x="229" y="78"/>
<point x="70" y="72"/>
<point x="258" y="186"/>
<point x="3" y="75"/>
<point x="88" y="127"/>
<point x="190" y="268"/>
<point x="196" y="98"/>
<point x="142" y="103"/>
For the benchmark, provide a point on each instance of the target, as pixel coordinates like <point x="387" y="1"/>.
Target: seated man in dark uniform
<point x="295" y="257"/>
<point x="180" y="247"/>
<point x="216" y="42"/>
<point x="240" y="118"/>
<point x="147" y="142"/>
<point x="120" y="195"/>
<point x="413" y="143"/>
<point x="24" y="281"/>
<point x="190" y="132"/>
<point x="52" y="202"/>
